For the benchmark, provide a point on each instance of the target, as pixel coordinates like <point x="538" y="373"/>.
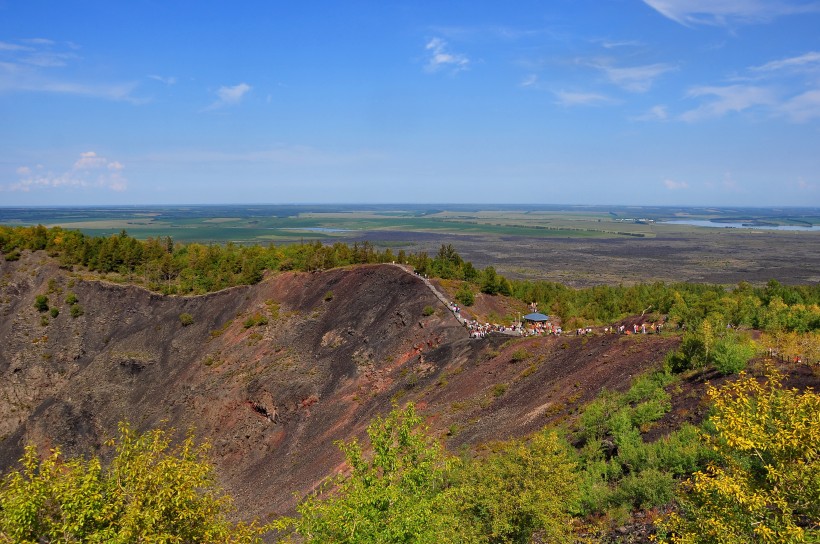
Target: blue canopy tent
<point x="537" y="317"/>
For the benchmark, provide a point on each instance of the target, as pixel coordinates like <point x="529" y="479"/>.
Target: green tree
<point x="522" y="488"/>
<point x="151" y="492"/>
<point x="396" y="495"/>
<point x="731" y="353"/>
<point x="491" y="281"/>
<point x="465" y="295"/>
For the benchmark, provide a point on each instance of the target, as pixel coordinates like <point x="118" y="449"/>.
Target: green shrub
<point x="731" y="355"/>
<point x="681" y="453"/>
<point x="76" y="310"/>
<point x="428" y="311"/>
<point x="649" y="411"/>
<point x="520" y="355"/>
<point x="328" y="296"/>
<point x="186" y="319"/>
<point x="55" y="311"/>
<point x="71" y="298"/>
<point x="465" y="295"/>
<point x="256" y="320"/>
<point x="595" y="418"/>
<point x="41" y="303"/>
<point x="499" y="389"/>
<point x="646" y="489"/>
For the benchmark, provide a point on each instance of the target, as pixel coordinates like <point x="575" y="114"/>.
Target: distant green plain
<point x="328" y="223"/>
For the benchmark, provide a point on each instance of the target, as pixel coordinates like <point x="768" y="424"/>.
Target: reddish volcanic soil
<point x="273" y="374"/>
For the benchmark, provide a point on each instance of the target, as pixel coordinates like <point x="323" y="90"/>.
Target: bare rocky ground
<point x="273" y="374"/>
<point x="724" y="256"/>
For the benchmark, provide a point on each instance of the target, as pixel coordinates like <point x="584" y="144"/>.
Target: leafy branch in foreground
<point x="765" y="486"/>
<point x="151" y="492"/>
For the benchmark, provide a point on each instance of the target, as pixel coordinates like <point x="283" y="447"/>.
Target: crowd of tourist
<point x="539" y="328"/>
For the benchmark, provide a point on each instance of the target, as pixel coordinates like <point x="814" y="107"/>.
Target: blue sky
<point x="680" y="102"/>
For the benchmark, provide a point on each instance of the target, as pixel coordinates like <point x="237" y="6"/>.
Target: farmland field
<point x="576" y="245"/>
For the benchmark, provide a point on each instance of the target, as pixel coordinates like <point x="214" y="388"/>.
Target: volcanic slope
<point x="274" y="373"/>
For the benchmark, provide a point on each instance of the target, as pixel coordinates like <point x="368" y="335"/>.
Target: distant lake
<point x="732" y="225"/>
<point x="315" y="229"/>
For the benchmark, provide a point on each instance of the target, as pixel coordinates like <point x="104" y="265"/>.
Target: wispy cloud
<point x="730" y="184"/>
<point x="5" y="46"/>
<point x="169" y="80"/>
<point x="637" y="79"/>
<point x="569" y="98"/>
<point x="229" y="96"/>
<point x="655" y="113"/>
<point x="804" y="186"/>
<point x="731" y="98"/>
<point x="441" y="58"/>
<point x="29" y="66"/>
<point x="810" y="60"/>
<point x="777" y="87"/>
<point x="46" y="41"/>
<point x="532" y="81"/>
<point x="673" y="185"/>
<point x="493" y="32"/>
<point x="802" y="108"/>
<point x="89" y="171"/>
<point x="728" y="12"/>
<point x="615" y="44"/>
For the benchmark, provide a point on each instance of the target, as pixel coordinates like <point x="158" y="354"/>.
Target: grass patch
<point x="520" y="355"/>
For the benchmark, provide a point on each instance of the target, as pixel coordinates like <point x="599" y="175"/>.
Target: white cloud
<point x="637" y="79"/>
<point x="49" y="59"/>
<point x="5" y="46"/>
<point x="783" y="94"/>
<point x="726" y="12"/>
<point x="723" y="100"/>
<point x="170" y="80"/>
<point x="230" y="96"/>
<point x="673" y="185"/>
<point x="45" y="41"/>
<point x="233" y="95"/>
<point x="568" y="98"/>
<point x="730" y="184"/>
<point x="29" y="68"/>
<point x="810" y="59"/>
<point x="802" y="108"/>
<point x="805" y="186"/>
<point x="89" y="161"/>
<point x="89" y="171"/>
<point x="610" y="44"/>
<point x="655" y="113"/>
<point x="442" y="58"/>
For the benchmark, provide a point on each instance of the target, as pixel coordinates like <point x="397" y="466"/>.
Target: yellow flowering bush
<point x="765" y="486"/>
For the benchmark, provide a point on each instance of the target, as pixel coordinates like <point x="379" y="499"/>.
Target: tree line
<point x="165" y="266"/>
